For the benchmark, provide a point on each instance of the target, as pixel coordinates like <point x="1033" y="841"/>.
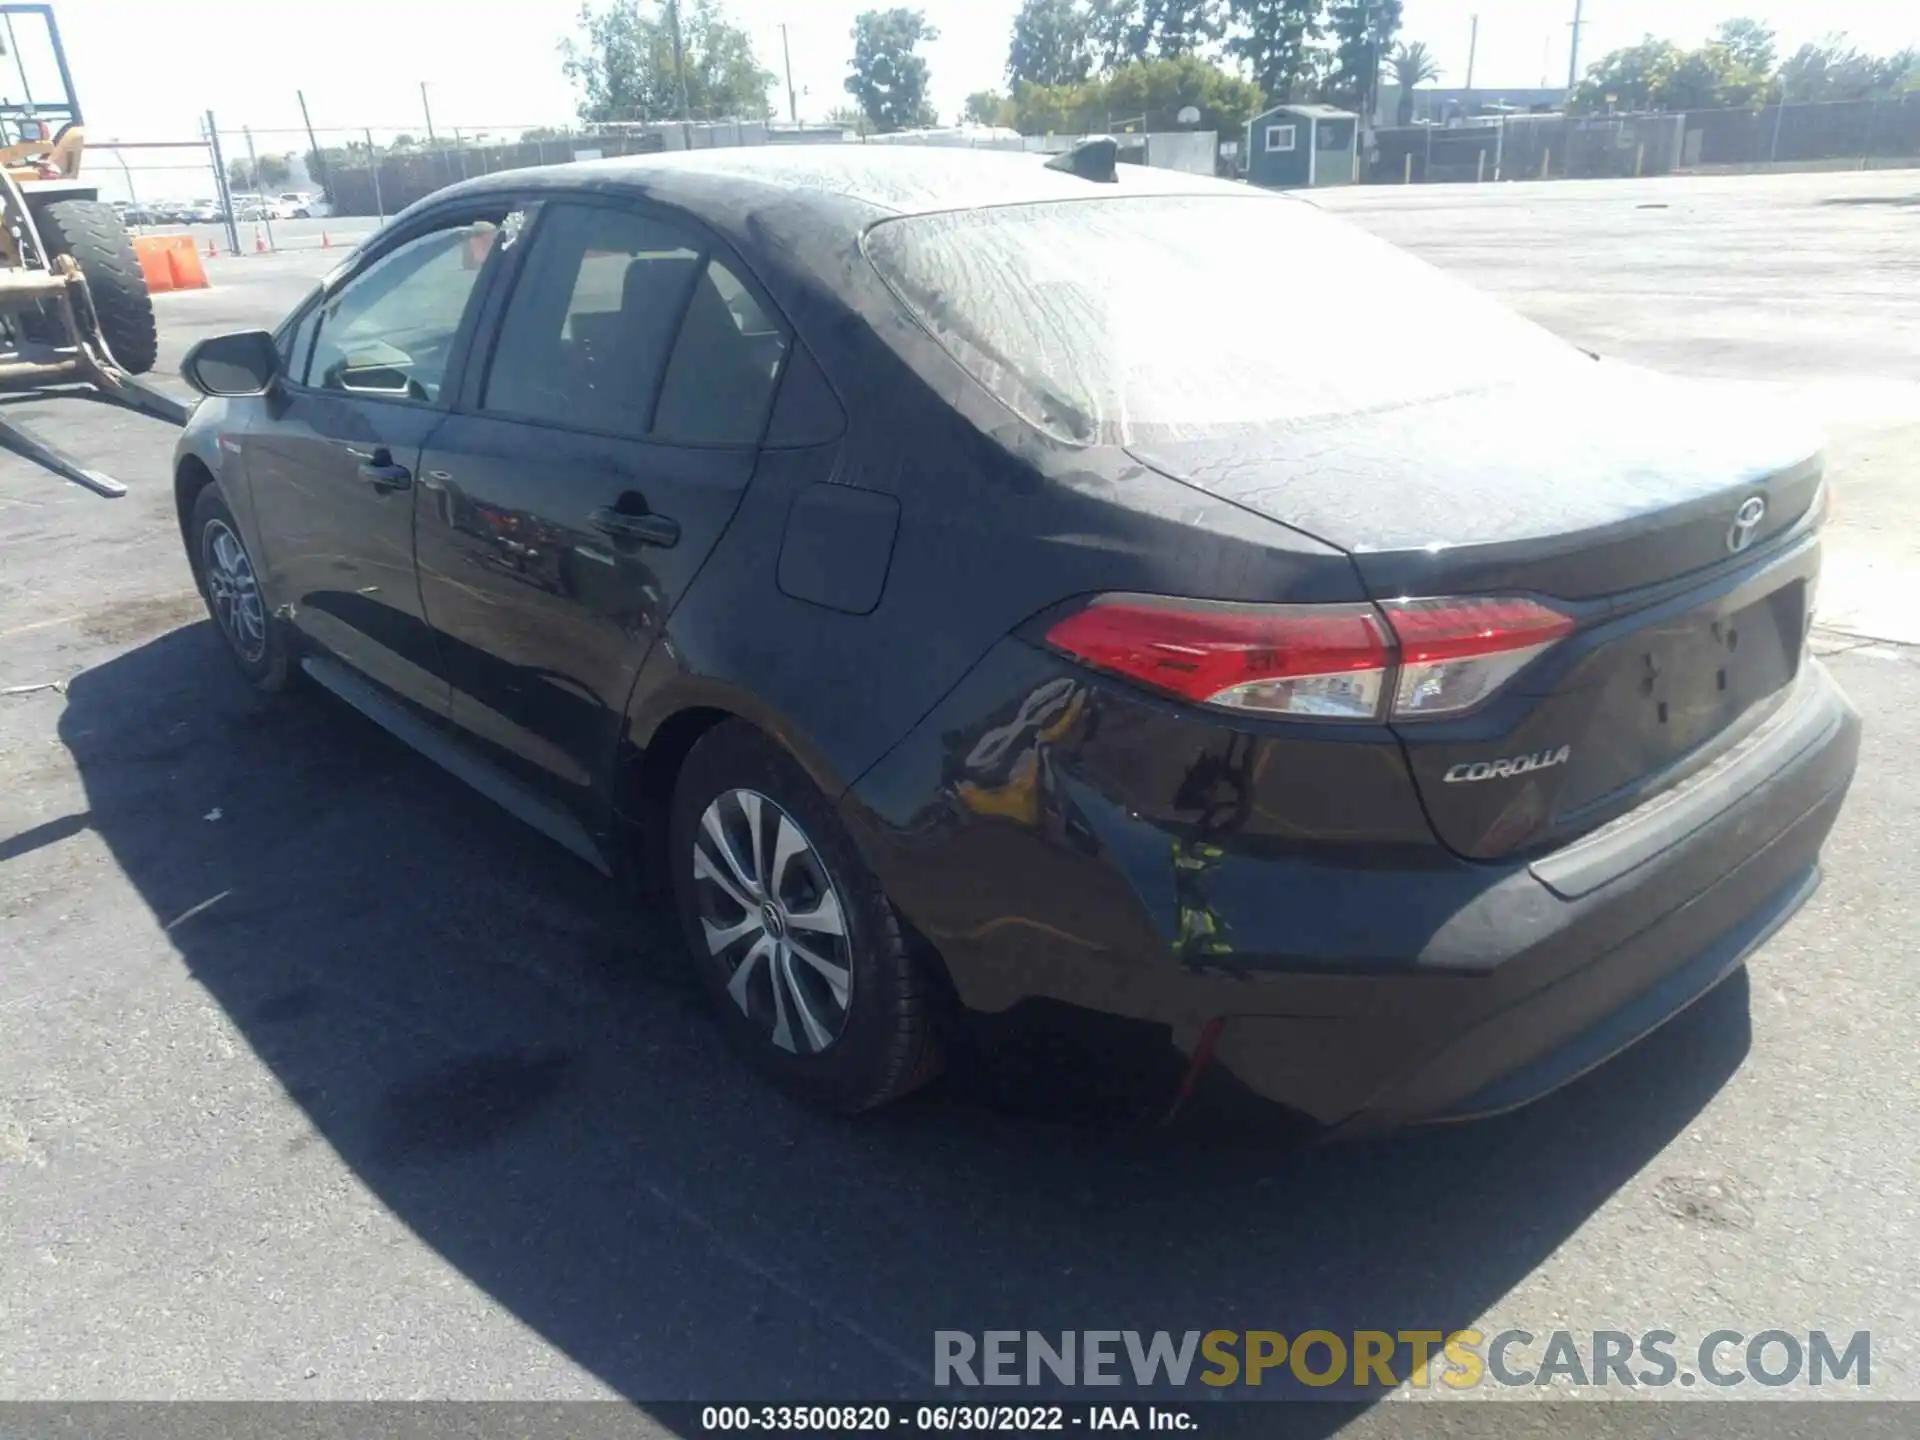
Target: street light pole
<point x="1473" y="46"/>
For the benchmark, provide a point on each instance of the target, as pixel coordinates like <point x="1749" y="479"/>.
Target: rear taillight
<point x="1410" y="659"/>
<point x="1455" y="653"/>
<point x="1326" y="660"/>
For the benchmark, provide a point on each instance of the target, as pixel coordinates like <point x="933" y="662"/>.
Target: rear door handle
<point x="386" y="477"/>
<point x="645" y="529"/>
<point x="378" y="470"/>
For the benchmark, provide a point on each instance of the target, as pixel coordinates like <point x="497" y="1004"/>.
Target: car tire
<point x="229" y="583"/>
<point x="845" y="1046"/>
<point x="96" y="238"/>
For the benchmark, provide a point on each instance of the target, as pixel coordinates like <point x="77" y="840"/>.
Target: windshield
<point x="1107" y="321"/>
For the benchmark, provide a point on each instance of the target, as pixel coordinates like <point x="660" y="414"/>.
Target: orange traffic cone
<point x="213" y="250"/>
<point x="325" y="243"/>
<point x="259" y="240"/>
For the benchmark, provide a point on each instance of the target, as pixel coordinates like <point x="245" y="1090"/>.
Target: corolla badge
<point x="1746" y="520"/>
<point x="1467" y="772"/>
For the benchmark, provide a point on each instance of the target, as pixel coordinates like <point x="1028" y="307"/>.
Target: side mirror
<point x="240" y="364"/>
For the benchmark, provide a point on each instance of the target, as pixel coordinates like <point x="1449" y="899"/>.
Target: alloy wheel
<point x="233" y="591"/>
<point x="773" y="921"/>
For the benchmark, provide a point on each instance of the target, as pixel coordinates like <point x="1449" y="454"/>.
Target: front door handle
<point x="642" y="529"/>
<point x="378" y="470"/>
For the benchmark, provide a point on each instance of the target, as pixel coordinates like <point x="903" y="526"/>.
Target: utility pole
<point x="428" y="109"/>
<point x="680" y="73"/>
<point x="319" y="160"/>
<point x="1473" y="46"/>
<point x="1370" y="82"/>
<point x="259" y="185"/>
<point x="373" y="172"/>
<point x="1573" y="51"/>
<point x="222" y="191"/>
<point x="793" y="105"/>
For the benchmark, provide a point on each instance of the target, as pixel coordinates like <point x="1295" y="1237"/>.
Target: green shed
<point x="1294" y="146"/>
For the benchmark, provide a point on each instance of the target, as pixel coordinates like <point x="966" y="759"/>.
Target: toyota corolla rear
<point x="1524" y="754"/>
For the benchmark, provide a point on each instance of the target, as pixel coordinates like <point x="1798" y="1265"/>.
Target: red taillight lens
<point x="1455" y="653"/>
<point x="1306" y="660"/>
<point x="1337" y="662"/>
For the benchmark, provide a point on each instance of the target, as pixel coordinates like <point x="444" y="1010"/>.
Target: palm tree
<point x="1412" y="66"/>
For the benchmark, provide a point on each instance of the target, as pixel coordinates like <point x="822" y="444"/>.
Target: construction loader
<point x="74" y="306"/>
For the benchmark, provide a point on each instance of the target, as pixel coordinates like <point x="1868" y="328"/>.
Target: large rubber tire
<point x="92" y="234"/>
<point x="886" y="1045"/>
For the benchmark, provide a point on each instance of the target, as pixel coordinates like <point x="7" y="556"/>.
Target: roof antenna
<point x="1094" y="159"/>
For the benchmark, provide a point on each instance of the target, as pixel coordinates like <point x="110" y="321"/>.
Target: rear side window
<point x="591" y="324"/>
<point x="720" y="382"/>
<point x="1102" y="321"/>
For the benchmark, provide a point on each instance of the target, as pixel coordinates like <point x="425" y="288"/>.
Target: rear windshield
<point x="1113" y="320"/>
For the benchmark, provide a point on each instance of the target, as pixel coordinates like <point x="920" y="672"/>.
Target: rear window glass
<point x="1106" y="321"/>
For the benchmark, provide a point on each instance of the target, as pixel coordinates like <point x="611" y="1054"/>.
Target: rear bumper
<point x="1369" y="986"/>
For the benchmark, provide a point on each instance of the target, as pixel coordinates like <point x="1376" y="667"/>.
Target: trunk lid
<point x="1622" y="502"/>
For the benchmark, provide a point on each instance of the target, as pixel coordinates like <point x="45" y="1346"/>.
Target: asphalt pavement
<point x="323" y="1079"/>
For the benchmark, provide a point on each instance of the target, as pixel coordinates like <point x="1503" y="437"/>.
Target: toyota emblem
<point x="1746" y="520"/>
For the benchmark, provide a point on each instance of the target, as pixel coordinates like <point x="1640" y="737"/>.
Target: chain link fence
<point x="243" y="189"/>
<point x="1841" y="134"/>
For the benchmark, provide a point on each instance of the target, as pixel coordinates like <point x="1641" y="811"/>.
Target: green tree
<point x="1275" y="40"/>
<point x="1154" y="91"/>
<point x="1834" y="70"/>
<point x="1117" y="32"/>
<point x="1363" y="32"/>
<point x="1124" y="32"/>
<point x="1659" y="75"/>
<point x="274" y="172"/>
<point x="889" y="79"/>
<point x="850" y="117"/>
<point x="1412" y="65"/>
<point x="1749" y="42"/>
<point x="1630" y="78"/>
<point x="988" y="107"/>
<point x="622" y="64"/>
<point x="1051" y="43"/>
<point x="1181" y="27"/>
<point x="1708" y="78"/>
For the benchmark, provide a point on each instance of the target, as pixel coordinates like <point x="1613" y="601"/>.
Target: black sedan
<point x="1011" y="604"/>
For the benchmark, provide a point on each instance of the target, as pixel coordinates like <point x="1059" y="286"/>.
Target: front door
<point x="566" y="509"/>
<point x="332" y="467"/>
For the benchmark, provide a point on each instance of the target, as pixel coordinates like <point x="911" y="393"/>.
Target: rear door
<point x="568" y="505"/>
<point x="331" y="462"/>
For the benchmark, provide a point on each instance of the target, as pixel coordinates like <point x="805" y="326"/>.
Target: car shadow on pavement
<point x="512" y="1061"/>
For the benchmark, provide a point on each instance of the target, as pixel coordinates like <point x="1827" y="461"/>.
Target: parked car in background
<point x="297" y="205"/>
<point x="997" y="622"/>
